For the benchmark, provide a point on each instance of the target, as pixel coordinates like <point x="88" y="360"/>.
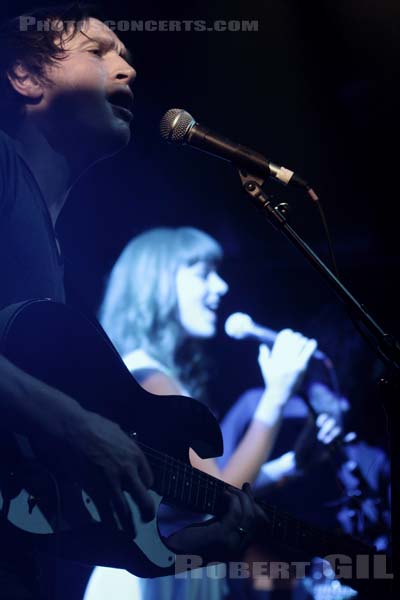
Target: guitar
<point x="70" y="352"/>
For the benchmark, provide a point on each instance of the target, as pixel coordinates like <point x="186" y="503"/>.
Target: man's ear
<point x="24" y="82"/>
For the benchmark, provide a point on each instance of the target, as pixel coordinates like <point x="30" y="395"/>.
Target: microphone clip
<point x="252" y="185"/>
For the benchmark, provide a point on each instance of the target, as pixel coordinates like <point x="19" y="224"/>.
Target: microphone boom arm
<point x="385" y="345"/>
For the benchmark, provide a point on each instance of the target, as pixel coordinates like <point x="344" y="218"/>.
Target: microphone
<point x="179" y="127"/>
<point x="241" y="326"/>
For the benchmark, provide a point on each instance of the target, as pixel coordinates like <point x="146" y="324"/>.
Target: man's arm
<point x="99" y="453"/>
<point x="31" y="407"/>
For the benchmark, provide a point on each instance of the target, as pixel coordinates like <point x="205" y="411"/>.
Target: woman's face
<point x="199" y="289"/>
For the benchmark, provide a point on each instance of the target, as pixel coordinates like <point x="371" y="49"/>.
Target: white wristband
<point x="269" y="408"/>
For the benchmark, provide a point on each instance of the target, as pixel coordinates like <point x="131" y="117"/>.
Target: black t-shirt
<point x="30" y="264"/>
<point x="30" y="267"/>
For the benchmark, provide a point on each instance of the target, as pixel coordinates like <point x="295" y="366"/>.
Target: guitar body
<point x="68" y="351"/>
<point x="38" y="496"/>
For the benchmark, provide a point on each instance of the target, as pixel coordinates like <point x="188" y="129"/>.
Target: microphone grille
<point x="238" y="325"/>
<point x="175" y="124"/>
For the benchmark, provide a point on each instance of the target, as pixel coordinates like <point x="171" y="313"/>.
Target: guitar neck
<point x="184" y="486"/>
<point x="187" y="487"/>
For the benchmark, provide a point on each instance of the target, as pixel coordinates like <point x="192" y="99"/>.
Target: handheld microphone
<point x="241" y="326"/>
<point x="179" y="127"/>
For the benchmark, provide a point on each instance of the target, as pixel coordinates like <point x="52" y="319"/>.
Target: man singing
<point x="65" y="104"/>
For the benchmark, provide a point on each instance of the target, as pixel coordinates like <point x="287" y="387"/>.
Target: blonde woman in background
<point x="160" y="303"/>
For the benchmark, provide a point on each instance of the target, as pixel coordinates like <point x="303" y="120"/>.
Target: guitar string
<point x="180" y="466"/>
<point x="203" y="478"/>
<point x="203" y="483"/>
<point x="186" y="471"/>
<point x="280" y="519"/>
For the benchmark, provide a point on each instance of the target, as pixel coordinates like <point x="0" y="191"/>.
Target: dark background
<point x="314" y="89"/>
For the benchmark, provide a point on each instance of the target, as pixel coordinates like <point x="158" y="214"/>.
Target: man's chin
<point x="113" y="144"/>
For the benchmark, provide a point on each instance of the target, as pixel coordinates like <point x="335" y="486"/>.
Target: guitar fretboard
<point x="184" y="485"/>
<point x="187" y="487"/>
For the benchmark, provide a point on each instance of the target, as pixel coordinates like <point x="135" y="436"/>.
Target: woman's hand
<point x="282" y="369"/>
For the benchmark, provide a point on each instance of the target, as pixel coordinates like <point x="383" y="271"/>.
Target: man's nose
<point x="126" y="72"/>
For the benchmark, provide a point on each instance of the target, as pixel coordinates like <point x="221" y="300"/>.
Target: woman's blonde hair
<point x="140" y="307"/>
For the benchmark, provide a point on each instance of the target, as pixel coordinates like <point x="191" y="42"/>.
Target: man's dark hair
<point x="33" y="40"/>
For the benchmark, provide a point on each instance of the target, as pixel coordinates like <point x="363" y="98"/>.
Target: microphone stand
<point x="385" y="345"/>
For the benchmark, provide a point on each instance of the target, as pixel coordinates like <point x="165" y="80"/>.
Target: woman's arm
<point x="161" y="384"/>
<point x="249" y="455"/>
<point x="282" y="369"/>
<point x="247" y="459"/>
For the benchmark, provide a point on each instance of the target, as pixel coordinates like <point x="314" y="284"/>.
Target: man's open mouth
<point x="122" y="102"/>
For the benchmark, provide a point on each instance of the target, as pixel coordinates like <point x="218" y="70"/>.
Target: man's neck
<point x="53" y="172"/>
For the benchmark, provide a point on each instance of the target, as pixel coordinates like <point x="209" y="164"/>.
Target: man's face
<point x="87" y="107"/>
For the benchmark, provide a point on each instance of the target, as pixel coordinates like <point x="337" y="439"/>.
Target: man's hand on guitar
<point x="108" y="462"/>
<point x="225" y="538"/>
<point x="89" y="447"/>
